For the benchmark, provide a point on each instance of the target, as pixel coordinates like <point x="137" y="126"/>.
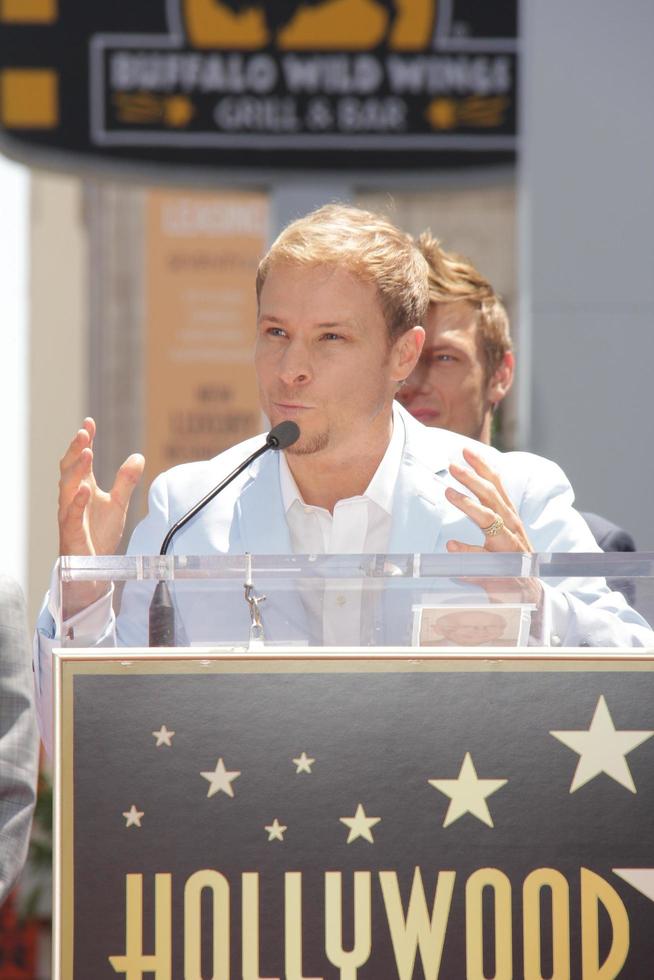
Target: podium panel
<point x="362" y="814"/>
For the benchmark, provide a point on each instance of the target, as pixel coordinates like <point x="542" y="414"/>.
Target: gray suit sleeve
<point x="18" y="735"/>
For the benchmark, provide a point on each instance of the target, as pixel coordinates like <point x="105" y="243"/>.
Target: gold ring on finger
<point x="494" y="528"/>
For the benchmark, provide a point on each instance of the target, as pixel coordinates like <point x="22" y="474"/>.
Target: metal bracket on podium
<point x="257" y="637"/>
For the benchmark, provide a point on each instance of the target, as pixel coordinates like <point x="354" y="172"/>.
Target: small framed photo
<point x="471" y="626"/>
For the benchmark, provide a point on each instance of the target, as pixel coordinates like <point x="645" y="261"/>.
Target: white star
<point x="303" y="763"/>
<point x="642" y="879"/>
<point x="468" y="793"/>
<point x="220" y="779"/>
<point x="163" y="737"/>
<point x="360" y="825"/>
<point x="275" y="830"/>
<point x="602" y="749"/>
<point x="133" y="817"/>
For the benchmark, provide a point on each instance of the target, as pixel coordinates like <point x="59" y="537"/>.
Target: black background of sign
<point x="64" y="46"/>
<point x="377" y="739"/>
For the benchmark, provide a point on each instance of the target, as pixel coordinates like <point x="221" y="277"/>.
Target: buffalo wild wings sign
<point x="393" y="819"/>
<point x="324" y="83"/>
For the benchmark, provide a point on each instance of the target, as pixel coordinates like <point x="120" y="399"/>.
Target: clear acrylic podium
<point x="390" y="767"/>
<point x="490" y="600"/>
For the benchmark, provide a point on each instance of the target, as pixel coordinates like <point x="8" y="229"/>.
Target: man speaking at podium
<point x="342" y="294"/>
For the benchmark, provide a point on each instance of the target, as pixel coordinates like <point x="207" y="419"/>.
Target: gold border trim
<point x="71" y="663"/>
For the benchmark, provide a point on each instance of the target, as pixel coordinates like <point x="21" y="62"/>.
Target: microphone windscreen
<point x="283" y="435"/>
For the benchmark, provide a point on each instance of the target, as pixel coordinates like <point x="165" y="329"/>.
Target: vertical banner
<point x="202" y="252"/>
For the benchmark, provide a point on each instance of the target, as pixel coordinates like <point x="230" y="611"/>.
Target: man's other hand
<point x="91" y="521"/>
<point x="492" y="507"/>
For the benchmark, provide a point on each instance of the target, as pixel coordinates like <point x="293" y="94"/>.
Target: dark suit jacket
<point x="609" y="536"/>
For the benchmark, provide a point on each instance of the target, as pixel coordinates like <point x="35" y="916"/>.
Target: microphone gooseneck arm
<point x="283" y="435"/>
<point x="178" y="525"/>
<point x="162" y="609"/>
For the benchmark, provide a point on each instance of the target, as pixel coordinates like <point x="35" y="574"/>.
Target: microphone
<point x="162" y="611"/>
<point x="283" y="435"/>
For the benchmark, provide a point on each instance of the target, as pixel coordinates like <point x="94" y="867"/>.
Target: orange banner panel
<point x="202" y="255"/>
<point x="29" y="98"/>
<point x="29" y="11"/>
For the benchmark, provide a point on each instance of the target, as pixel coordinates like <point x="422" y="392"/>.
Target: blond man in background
<point x="466" y="366"/>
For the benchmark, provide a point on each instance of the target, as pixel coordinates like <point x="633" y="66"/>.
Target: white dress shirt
<point x="359" y="525"/>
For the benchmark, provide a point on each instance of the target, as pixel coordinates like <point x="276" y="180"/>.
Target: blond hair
<point x="366" y="245"/>
<point x="454" y="278"/>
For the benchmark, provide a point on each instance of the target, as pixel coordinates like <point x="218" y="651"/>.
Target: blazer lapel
<point x="419" y="511"/>
<point x="419" y="506"/>
<point x="260" y="510"/>
<point x="264" y="531"/>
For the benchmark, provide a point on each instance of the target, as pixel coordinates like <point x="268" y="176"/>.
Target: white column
<point x="14" y="226"/>
<point x="587" y="249"/>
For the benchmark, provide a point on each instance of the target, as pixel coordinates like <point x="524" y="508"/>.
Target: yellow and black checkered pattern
<point x="29" y="96"/>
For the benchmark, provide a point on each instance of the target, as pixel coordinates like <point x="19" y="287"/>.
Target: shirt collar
<point x="380" y="489"/>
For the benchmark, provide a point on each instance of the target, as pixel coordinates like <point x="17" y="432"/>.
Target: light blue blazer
<point x="249" y="517"/>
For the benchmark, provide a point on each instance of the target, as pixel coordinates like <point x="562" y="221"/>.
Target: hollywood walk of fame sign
<point x="354" y="818"/>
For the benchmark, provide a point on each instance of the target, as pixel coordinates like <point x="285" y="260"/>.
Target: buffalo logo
<point x="355" y="25"/>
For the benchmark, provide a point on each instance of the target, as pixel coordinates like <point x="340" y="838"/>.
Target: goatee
<point x="310" y="444"/>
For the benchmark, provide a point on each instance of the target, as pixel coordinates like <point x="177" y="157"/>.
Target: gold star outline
<point x="276" y="830"/>
<point x="360" y="825"/>
<point x="602" y="749"/>
<point x="303" y="763"/>
<point x="163" y="737"/>
<point x="468" y="793"/>
<point x="220" y="780"/>
<point x="133" y="817"/>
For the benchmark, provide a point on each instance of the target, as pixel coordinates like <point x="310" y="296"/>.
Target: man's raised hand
<point x="91" y="521"/>
<point x="489" y="507"/>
